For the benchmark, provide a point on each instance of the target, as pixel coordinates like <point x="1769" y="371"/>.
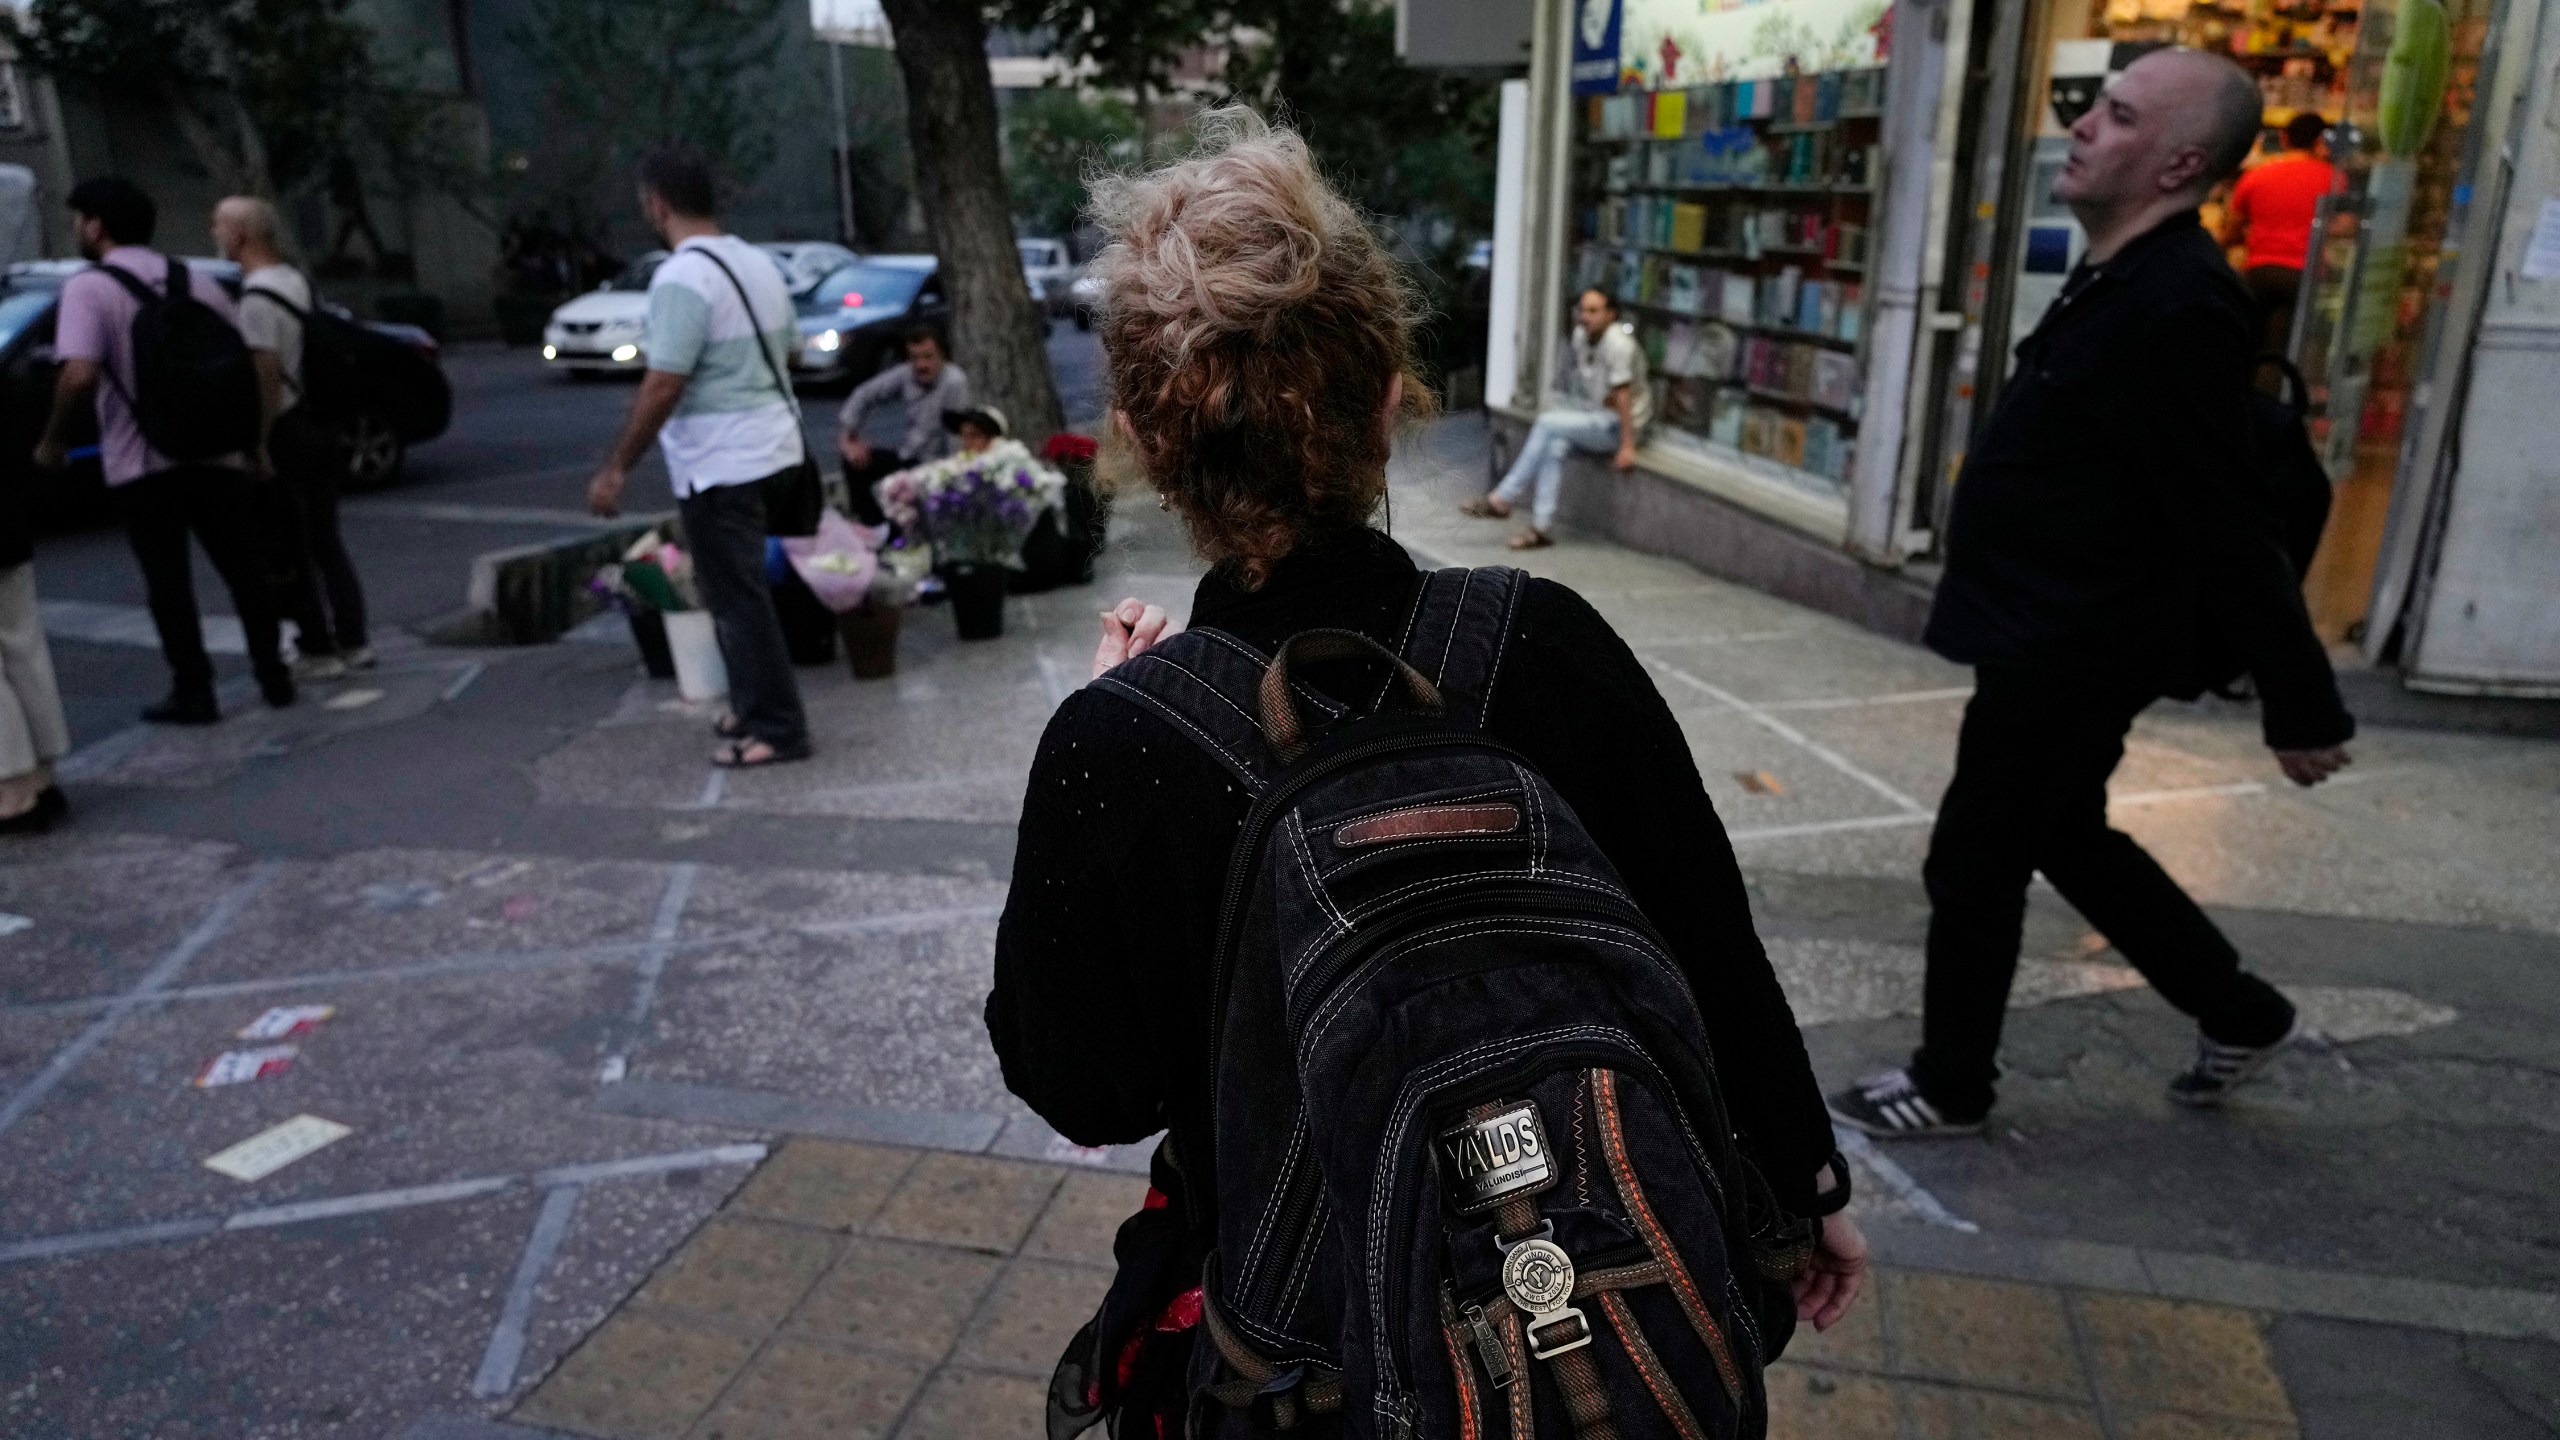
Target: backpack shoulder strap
<point x="132" y="283"/>
<point x="299" y="315"/>
<point x="1461" y="625"/>
<point x="1208" y="685"/>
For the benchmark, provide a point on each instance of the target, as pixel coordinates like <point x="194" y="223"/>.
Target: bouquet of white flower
<point x="974" y="507"/>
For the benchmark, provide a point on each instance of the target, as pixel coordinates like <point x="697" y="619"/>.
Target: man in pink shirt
<point x="162" y="499"/>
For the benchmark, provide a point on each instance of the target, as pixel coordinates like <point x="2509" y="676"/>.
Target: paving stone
<point x="977" y="1405"/>
<point x="2173" y="1355"/>
<point x="2169" y="1425"/>
<point x="828" y="1183"/>
<point x="1983" y="1332"/>
<point x="1856" y="1342"/>
<point x="967" y="1200"/>
<point x="907" y="1299"/>
<point x="801" y="1391"/>
<point x="639" y="1378"/>
<point x="1084" y="1217"/>
<point x="742" y="1270"/>
<point x="1939" y="1412"/>
<point x="1809" y="1404"/>
<point x="1037" y="1308"/>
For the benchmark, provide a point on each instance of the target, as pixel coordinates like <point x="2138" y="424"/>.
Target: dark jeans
<point x="321" y="569"/>
<point x="725" y="527"/>
<point x="219" y="506"/>
<point x="2274" y="288"/>
<point x="858" y="480"/>
<point x="2030" y="794"/>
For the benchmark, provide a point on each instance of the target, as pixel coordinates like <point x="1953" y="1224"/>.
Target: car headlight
<point x="550" y="352"/>
<point x="625" y="354"/>
<point x="826" y="340"/>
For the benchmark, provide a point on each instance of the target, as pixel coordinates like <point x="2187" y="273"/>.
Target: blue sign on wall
<point x="1595" y="46"/>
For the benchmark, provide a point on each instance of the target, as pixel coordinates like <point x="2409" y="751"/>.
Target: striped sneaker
<point x="2220" y="1069"/>
<point x="1887" y="1105"/>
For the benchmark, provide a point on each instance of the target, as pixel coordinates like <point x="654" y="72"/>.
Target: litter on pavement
<point x="286" y="1020"/>
<point x="351" y="700"/>
<point x="233" y="1067"/>
<point x="272" y="1149"/>
<point x="1759" y="782"/>
<point x="387" y="897"/>
<point x="12" y="924"/>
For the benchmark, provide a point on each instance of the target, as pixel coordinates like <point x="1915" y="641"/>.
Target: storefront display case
<point x="1733" y="221"/>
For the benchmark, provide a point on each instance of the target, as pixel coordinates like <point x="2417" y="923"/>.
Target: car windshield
<point x="1039" y="252"/>
<point x="865" y="287"/>
<point x="19" y="309"/>
<point x="635" y="276"/>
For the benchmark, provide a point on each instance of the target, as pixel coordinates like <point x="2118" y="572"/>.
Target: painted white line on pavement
<point x="366" y="1204"/>
<point x="505" y="1353"/>
<point x="462" y="682"/>
<point x="1858" y="1147"/>
<point x="1827" y="827"/>
<point x="715" y="788"/>
<point x="609" y="953"/>
<point x="157" y="978"/>
<point x="45" y="1247"/>
<point x="1791" y="735"/>
<point x="1860" y="702"/>
<point x="595" y="1171"/>
<point x="653" y="965"/>
<point x="902" y="922"/>
<point x="100" y="622"/>
<point x="486" y="514"/>
<point x="1708" y="642"/>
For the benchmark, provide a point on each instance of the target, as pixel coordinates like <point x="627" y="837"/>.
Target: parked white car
<point x="606" y="330"/>
<point x="1048" y="270"/>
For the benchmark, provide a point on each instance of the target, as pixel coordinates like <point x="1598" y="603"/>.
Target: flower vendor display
<point x="975" y="510"/>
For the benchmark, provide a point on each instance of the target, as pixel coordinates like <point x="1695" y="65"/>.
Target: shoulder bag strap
<point x="755" y="332"/>
<point x="301" y="317"/>
<point x="1461" y="625"/>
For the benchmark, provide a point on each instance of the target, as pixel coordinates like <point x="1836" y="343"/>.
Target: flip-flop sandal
<point x="1530" y="540"/>
<point x="733" y="756"/>
<point x="729" y="727"/>
<point x="1481" y="507"/>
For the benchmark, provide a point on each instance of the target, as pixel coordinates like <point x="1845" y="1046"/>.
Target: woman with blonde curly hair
<point x="1259" y="349"/>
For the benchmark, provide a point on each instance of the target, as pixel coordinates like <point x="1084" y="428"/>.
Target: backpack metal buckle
<point x="1545" y="1343"/>
<point x="1537" y="1276"/>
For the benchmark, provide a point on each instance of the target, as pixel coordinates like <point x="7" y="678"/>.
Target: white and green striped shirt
<point x="733" y="424"/>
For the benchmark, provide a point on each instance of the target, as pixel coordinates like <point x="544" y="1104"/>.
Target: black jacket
<point x="1100" y="1010"/>
<point x="2109" y="513"/>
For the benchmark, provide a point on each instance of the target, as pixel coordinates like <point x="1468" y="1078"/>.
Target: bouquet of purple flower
<point x="974" y="507"/>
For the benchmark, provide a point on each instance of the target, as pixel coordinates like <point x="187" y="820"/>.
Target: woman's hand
<point x="1129" y="629"/>
<point x="1830" y="1284"/>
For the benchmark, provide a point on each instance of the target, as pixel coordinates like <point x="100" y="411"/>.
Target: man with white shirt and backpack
<point x="322" y="596"/>
<point x="715" y="398"/>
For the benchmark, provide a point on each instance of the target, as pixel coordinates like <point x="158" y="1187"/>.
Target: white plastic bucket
<point x="700" y="675"/>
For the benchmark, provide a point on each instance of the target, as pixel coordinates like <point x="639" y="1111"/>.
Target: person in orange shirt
<point x="2271" y="211"/>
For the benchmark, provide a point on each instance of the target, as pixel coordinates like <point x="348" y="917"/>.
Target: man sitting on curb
<point x="1608" y="377"/>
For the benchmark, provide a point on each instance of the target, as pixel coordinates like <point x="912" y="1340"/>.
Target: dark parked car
<point x="851" y="324"/>
<point x="400" y="395"/>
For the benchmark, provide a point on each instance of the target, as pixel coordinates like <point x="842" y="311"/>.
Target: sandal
<point x="740" y="754"/>
<point x="729" y="726"/>
<point x="1531" y="540"/>
<point x="1486" y="507"/>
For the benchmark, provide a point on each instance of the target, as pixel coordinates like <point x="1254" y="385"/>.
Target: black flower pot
<point x="977" y="592"/>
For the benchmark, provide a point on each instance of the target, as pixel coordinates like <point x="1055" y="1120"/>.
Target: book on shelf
<point x="1724" y="417"/>
<point x="1826" y="96"/>
<point x="1688" y="226"/>
<point x="1683" y="291"/>
<point x="1822" y="447"/>
<point x="1670" y="113"/>
<point x="1688" y="404"/>
<point x="1834" y="379"/>
<point x="1799" y="370"/>
<point x="1853" y="313"/>
<point x="1805" y="91"/>
<point x="1759" y="426"/>
<point x="1717" y="347"/>
<point x="1789" y="446"/>
<point x="1740" y="298"/>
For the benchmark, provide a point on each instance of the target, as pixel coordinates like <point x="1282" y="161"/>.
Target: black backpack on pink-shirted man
<point x="1472" y="1170"/>
<point x="195" y="388"/>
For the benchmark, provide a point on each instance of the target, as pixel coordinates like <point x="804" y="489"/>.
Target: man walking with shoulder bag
<point x="157" y="349"/>
<point x="323" y="598"/>
<point x="716" y="400"/>
<point x="2112" y="535"/>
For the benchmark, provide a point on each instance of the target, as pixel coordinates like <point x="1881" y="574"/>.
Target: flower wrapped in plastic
<point x="974" y="508"/>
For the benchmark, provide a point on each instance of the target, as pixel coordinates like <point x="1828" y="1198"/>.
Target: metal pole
<point x="844" y="145"/>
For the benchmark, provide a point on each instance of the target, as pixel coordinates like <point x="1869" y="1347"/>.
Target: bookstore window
<point x="1733" y="221"/>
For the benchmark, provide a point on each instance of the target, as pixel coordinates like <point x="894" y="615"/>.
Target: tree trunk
<point x="996" y="333"/>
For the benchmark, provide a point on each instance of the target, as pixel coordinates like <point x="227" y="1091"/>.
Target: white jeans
<point x="32" y="732"/>
<point x="1557" y="434"/>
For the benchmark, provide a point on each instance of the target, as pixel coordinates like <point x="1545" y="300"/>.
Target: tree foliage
<point x="1054" y="138"/>
<point x="631" y="75"/>
<point x="268" y="94"/>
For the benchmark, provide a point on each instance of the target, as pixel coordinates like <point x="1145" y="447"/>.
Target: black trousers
<point x="322" y="596"/>
<point x="2030" y="794"/>
<point x="219" y="507"/>
<point x="858" y="480"/>
<point x="724" y="525"/>
<point x="2274" y="288"/>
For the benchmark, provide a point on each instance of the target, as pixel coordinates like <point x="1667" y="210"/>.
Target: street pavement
<point x="668" y="1112"/>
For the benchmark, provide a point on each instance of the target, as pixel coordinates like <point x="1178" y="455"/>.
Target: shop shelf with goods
<point x="1732" y="222"/>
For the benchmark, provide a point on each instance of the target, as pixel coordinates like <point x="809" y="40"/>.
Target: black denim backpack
<point x="1473" y="1176"/>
